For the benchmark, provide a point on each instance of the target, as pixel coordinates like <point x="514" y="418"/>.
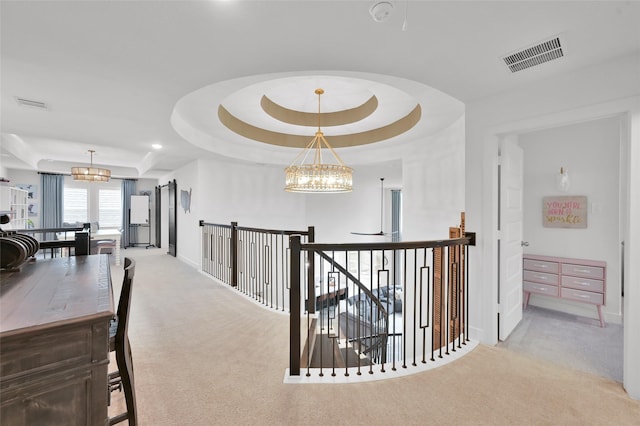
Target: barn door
<point x="173" y="219"/>
<point x="158" y="216"/>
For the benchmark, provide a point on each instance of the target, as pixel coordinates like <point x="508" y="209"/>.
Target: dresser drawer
<point x="582" y="296"/>
<point x="540" y="265"/>
<point x="583" y="284"/>
<point x="549" y="290"/>
<point x="540" y="277"/>
<point x="22" y="357"/>
<point x="594" y="272"/>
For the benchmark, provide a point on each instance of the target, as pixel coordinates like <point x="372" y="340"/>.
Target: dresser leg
<point x="600" y="315"/>
<point x="526" y="299"/>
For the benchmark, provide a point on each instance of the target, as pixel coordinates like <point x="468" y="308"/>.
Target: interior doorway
<point x="166" y="232"/>
<point x="554" y="328"/>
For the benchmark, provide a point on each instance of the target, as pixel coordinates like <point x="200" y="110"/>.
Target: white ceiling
<point x="112" y="72"/>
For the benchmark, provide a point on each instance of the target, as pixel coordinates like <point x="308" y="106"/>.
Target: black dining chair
<point x="122" y="379"/>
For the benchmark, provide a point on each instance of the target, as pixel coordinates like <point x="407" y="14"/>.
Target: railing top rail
<point x="468" y="240"/>
<point x="250" y="229"/>
<point x="273" y="231"/>
<point x="45" y="230"/>
<point x="221" y="225"/>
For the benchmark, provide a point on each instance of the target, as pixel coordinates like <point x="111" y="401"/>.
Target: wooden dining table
<point x="54" y="340"/>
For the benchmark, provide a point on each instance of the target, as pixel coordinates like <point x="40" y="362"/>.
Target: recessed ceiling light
<point x="156" y="146"/>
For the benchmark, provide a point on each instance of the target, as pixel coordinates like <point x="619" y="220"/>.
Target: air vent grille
<point x="534" y="55"/>
<point x="31" y="103"/>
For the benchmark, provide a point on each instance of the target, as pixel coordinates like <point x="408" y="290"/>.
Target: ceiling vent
<point x="29" y="103"/>
<point x="537" y="54"/>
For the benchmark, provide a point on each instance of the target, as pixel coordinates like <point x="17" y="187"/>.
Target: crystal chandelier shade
<point x="308" y="172"/>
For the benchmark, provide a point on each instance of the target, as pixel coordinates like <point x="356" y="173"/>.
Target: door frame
<point x="489" y="272"/>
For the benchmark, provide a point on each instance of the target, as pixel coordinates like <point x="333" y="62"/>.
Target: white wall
<point x="224" y="191"/>
<point x="252" y="195"/>
<point x="590" y="151"/>
<point x="433" y="176"/>
<point x="601" y="91"/>
<point x="336" y="216"/>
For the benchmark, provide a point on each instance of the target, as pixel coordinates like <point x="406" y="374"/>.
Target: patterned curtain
<point x="52" y="200"/>
<point x="128" y="189"/>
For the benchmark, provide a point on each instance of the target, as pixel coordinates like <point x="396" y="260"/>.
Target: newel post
<point x="294" y="307"/>
<point x="234" y="254"/>
<point x="311" y="288"/>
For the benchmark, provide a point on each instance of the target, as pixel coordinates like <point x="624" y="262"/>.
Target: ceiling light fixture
<point x="306" y="176"/>
<point x="91" y="174"/>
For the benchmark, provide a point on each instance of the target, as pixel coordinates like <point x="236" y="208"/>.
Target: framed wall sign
<point x="564" y="212"/>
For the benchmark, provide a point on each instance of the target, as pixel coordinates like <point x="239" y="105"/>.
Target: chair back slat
<point x="124" y="304"/>
<point x="123" y="348"/>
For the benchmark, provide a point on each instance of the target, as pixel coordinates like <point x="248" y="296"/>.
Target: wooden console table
<point x="54" y="339"/>
<point x="579" y="280"/>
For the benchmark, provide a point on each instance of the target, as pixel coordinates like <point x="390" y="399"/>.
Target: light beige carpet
<point x="205" y="355"/>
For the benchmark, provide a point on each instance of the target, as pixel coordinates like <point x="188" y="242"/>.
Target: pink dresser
<point x="579" y="280"/>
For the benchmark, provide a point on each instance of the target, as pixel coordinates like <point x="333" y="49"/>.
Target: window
<point x="98" y="204"/>
<point x="109" y="208"/>
<point x="75" y="205"/>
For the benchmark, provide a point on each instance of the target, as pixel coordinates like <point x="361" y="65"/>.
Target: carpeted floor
<point x="205" y="355"/>
<point x="569" y="340"/>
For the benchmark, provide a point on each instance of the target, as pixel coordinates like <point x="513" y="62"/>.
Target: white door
<point x="510" y="238"/>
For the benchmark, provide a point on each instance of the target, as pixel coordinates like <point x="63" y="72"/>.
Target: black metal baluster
<point x="404" y="305"/>
<point x="466" y="295"/>
<point x="276" y="281"/>
<point x="357" y="314"/>
<point x="447" y="300"/>
<point x="346" y="322"/>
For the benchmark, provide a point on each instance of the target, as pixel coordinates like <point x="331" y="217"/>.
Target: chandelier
<point x="308" y="173"/>
<point x="91" y="174"/>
